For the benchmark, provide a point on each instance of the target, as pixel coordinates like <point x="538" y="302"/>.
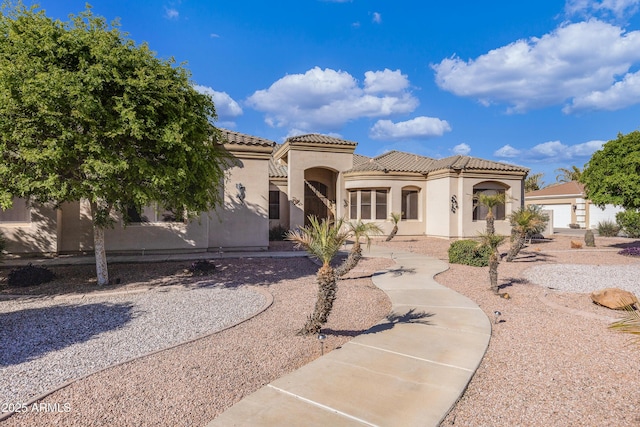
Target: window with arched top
<point x="410" y="197"/>
<point x="480" y="211"/>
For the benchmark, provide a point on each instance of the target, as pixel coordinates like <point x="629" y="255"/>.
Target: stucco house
<point x="569" y="205"/>
<point x="282" y="184"/>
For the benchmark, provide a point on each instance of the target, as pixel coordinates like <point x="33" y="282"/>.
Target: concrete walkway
<point x="409" y="371"/>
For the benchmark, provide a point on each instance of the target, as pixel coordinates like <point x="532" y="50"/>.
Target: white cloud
<point x="622" y="94"/>
<point x="225" y="105"/>
<point x="327" y="99"/>
<point x="214" y="36"/>
<point x="385" y="81"/>
<point x="618" y="8"/>
<point x="551" y="151"/>
<point x="377" y="17"/>
<point x="171" y="13"/>
<point x="419" y="127"/>
<point x="572" y="62"/>
<point x="462" y="149"/>
<point x="507" y="152"/>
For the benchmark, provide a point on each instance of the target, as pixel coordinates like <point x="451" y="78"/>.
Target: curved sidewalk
<point x="407" y="371"/>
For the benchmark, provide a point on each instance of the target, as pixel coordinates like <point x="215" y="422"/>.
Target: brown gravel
<point x="193" y="383"/>
<point x="551" y="360"/>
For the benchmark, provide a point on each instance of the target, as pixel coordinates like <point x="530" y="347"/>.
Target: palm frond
<point x="321" y="239"/>
<point x="359" y="229"/>
<point x="629" y="324"/>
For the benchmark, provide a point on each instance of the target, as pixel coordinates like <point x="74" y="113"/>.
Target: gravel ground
<point x="551" y="360"/>
<point x="192" y="383"/>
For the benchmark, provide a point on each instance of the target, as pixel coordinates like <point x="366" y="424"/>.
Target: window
<point x="353" y="204"/>
<point x="373" y="204"/>
<point x="152" y="213"/>
<point x="381" y="204"/>
<point x="274" y="204"/>
<point x="19" y="212"/>
<point x="480" y="211"/>
<point x="409" y="204"/>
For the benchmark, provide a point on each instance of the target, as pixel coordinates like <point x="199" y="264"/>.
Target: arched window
<point x="410" y="202"/>
<point x="488" y="188"/>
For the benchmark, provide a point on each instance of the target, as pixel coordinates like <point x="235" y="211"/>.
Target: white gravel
<point x="585" y="278"/>
<point x="46" y="342"/>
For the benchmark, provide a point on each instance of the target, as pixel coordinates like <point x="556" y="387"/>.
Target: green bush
<point x="468" y="252"/>
<point x="29" y="275"/>
<point x="608" y="228"/>
<point x="277" y="233"/>
<point x="629" y="221"/>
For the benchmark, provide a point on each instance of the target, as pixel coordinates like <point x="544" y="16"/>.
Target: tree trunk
<point x="327" y="288"/>
<point x="392" y="234"/>
<point x="354" y="257"/>
<point x="491" y="228"/>
<point x="101" y="257"/>
<point x="516" y="246"/>
<point x="493" y="271"/>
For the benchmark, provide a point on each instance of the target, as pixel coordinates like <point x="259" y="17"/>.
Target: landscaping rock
<point x="589" y="239"/>
<point x="576" y="245"/>
<point x="614" y="298"/>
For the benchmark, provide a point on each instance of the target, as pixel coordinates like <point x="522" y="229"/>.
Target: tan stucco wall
<point x="39" y="235"/>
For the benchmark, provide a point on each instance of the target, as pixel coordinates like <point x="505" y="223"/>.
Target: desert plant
<point x="589" y="239"/>
<point x="492" y="241"/>
<point x="277" y="233"/>
<point x="395" y="217"/>
<point x="357" y="230"/>
<point x="467" y="252"/>
<point x="3" y="244"/>
<point x="608" y="228"/>
<point x="29" y="275"/>
<point x="629" y="221"/>
<point x="490" y="201"/>
<point x="629" y="324"/>
<point x="202" y="267"/>
<point x="525" y="222"/>
<point x="632" y="251"/>
<point x="321" y="240"/>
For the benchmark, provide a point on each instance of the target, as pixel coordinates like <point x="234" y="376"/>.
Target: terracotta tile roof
<point x="565" y="189"/>
<point x="276" y="170"/>
<point x="471" y="163"/>
<point x="359" y="159"/>
<point x="244" y="139"/>
<point x="319" y="139"/>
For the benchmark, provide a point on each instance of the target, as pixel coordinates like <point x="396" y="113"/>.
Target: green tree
<point x="491" y="202"/>
<point x="534" y="182"/>
<point x="395" y="218"/>
<point x="357" y="230"/>
<point x="85" y="114"/>
<point x="612" y="175"/>
<point x="567" y="175"/>
<point x="492" y="241"/>
<point x="525" y="222"/>
<point x="322" y="240"/>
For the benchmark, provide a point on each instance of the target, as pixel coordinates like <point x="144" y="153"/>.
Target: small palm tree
<point x="395" y="217"/>
<point x="322" y="240"/>
<point x="492" y="240"/>
<point x="490" y="201"/>
<point x="533" y="182"/>
<point x="629" y="324"/>
<point x="525" y="222"/>
<point x="357" y="229"/>
<point x="568" y="175"/>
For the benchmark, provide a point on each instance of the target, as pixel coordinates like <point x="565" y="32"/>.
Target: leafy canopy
<point x="87" y="114"/>
<point x="612" y="175"/>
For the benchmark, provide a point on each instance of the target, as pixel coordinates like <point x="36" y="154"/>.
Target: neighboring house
<point x="569" y="206"/>
<point x="283" y="184"/>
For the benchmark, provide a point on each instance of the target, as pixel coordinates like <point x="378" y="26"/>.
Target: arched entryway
<point x="319" y="193"/>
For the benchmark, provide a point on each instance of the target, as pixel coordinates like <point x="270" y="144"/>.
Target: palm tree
<point x="492" y="240"/>
<point x="568" y="175"/>
<point x="490" y="201"/>
<point x="321" y="240"/>
<point x="629" y="324"/>
<point x="395" y="217"/>
<point x="533" y="182"/>
<point x="357" y="229"/>
<point x="525" y="222"/>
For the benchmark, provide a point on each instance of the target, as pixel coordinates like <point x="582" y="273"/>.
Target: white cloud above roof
<point x="462" y="149"/>
<point x="377" y="17"/>
<point x="171" y="13"/>
<point x="574" y="64"/>
<point x="323" y="100"/>
<point x="419" y="127"/>
<point x="225" y="105"/>
<point x="618" y="8"/>
<point x="551" y="151"/>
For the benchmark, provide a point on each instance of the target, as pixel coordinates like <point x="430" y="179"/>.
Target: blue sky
<point x="541" y="84"/>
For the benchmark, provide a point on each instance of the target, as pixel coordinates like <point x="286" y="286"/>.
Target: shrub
<point x="277" y="233"/>
<point x="633" y="251"/>
<point x="608" y="228"/>
<point x="468" y="252"/>
<point x="202" y="267"/>
<point x="29" y="275"/>
<point x="629" y="221"/>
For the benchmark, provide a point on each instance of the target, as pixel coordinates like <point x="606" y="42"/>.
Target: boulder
<point x="576" y="245"/>
<point x="614" y="298"/>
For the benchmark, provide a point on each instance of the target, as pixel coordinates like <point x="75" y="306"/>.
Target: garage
<point x="597" y="214"/>
<point x="561" y="214"/>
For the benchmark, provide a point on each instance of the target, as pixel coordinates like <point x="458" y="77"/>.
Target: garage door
<point x="607" y="214"/>
<point x="561" y="215"/>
